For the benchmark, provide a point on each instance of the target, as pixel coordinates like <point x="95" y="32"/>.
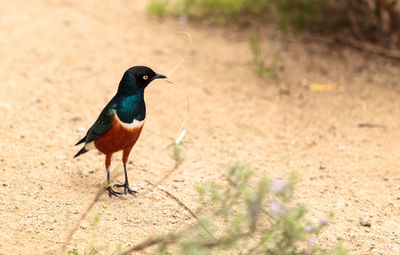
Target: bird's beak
<point x="159" y="76"/>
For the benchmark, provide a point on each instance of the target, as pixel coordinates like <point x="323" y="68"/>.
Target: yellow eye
<point x="145" y="77"/>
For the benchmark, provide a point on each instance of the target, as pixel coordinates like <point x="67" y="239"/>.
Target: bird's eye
<point x="145" y="77"/>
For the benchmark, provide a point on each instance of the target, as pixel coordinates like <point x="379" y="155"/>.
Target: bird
<point x="120" y="123"/>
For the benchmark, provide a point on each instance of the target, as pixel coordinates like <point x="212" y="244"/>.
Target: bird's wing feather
<point x="102" y="124"/>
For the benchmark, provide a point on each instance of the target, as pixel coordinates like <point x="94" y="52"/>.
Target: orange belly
<point x="117" y="138"/>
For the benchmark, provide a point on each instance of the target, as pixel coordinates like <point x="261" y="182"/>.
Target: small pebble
<point x="365" y="223"/>
<point x="134" y="187"/>
<point x="80" y="129"/>
<point x="84" y="225"/>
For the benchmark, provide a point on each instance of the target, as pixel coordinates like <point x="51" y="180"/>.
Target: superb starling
<point x="119" y="125"/>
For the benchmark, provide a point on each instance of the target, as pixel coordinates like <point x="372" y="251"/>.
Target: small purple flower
<point x="278" y="185"/>
<point x="275" y="207"/>
<point x="308" y="228"/>
<point x="278" y="209"/>
<point x="324" y="221"/>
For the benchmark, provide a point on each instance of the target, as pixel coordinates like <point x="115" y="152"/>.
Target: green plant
<point x="222" y="11"/>
<point x="298" y="13"/>
<point x="178" y="146"/>
<point x="301" y="14"/>
<point x="91" y="250"/>
<point x="73" y="252"/>
<point x="88" y="251"/>
<point x="158" y="7"/>
<point x="94" y="222"/>
<point x="259" y="66"/>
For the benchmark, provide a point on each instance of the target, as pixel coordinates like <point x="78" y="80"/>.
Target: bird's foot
<point x="112" y="192"/>
<point x="127" y="189"/>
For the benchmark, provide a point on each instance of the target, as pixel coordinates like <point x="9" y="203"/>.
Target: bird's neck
<point x="131" y="107"/>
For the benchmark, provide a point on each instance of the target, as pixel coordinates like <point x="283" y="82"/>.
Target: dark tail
<point x="83" y="150"/>
<point x="81" y="141"/>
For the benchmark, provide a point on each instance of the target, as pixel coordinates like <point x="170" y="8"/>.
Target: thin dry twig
<point x="99" y="193"/>
<point x="354" y="26"/>
<point x="167" y="239"/>
<point x="173" y="237"/>
<point x="183" y="205"/>
<point x="369" y="47"/>
<point x="189" y="36"/>
<point x="360" y="45"/>
<point x="174" y="198"/>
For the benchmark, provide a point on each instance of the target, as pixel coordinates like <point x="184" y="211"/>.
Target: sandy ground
<point x="61" y="62"/>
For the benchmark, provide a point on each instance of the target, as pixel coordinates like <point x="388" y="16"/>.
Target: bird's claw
<point x="126" y="188"/>
<point x="112" y="192"/>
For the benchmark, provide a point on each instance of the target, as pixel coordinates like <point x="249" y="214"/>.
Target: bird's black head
<point x="137" y="78"/>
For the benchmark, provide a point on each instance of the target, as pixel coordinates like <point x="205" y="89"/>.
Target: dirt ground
<point x="61" y="61"/>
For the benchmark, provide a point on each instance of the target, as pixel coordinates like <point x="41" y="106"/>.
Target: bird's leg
<point x="126" y="184"/>
<point x="125" y="156"/>
<point x="111" y="192"/>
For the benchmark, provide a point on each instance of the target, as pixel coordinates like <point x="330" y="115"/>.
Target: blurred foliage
<point x="259" y="64"/>
<point x="300" y="13"/>
<point x="248" y="217"/>
<point x="297" y="12"/>
<point x="372" y="20"/>
<point x="158" y="7"/>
